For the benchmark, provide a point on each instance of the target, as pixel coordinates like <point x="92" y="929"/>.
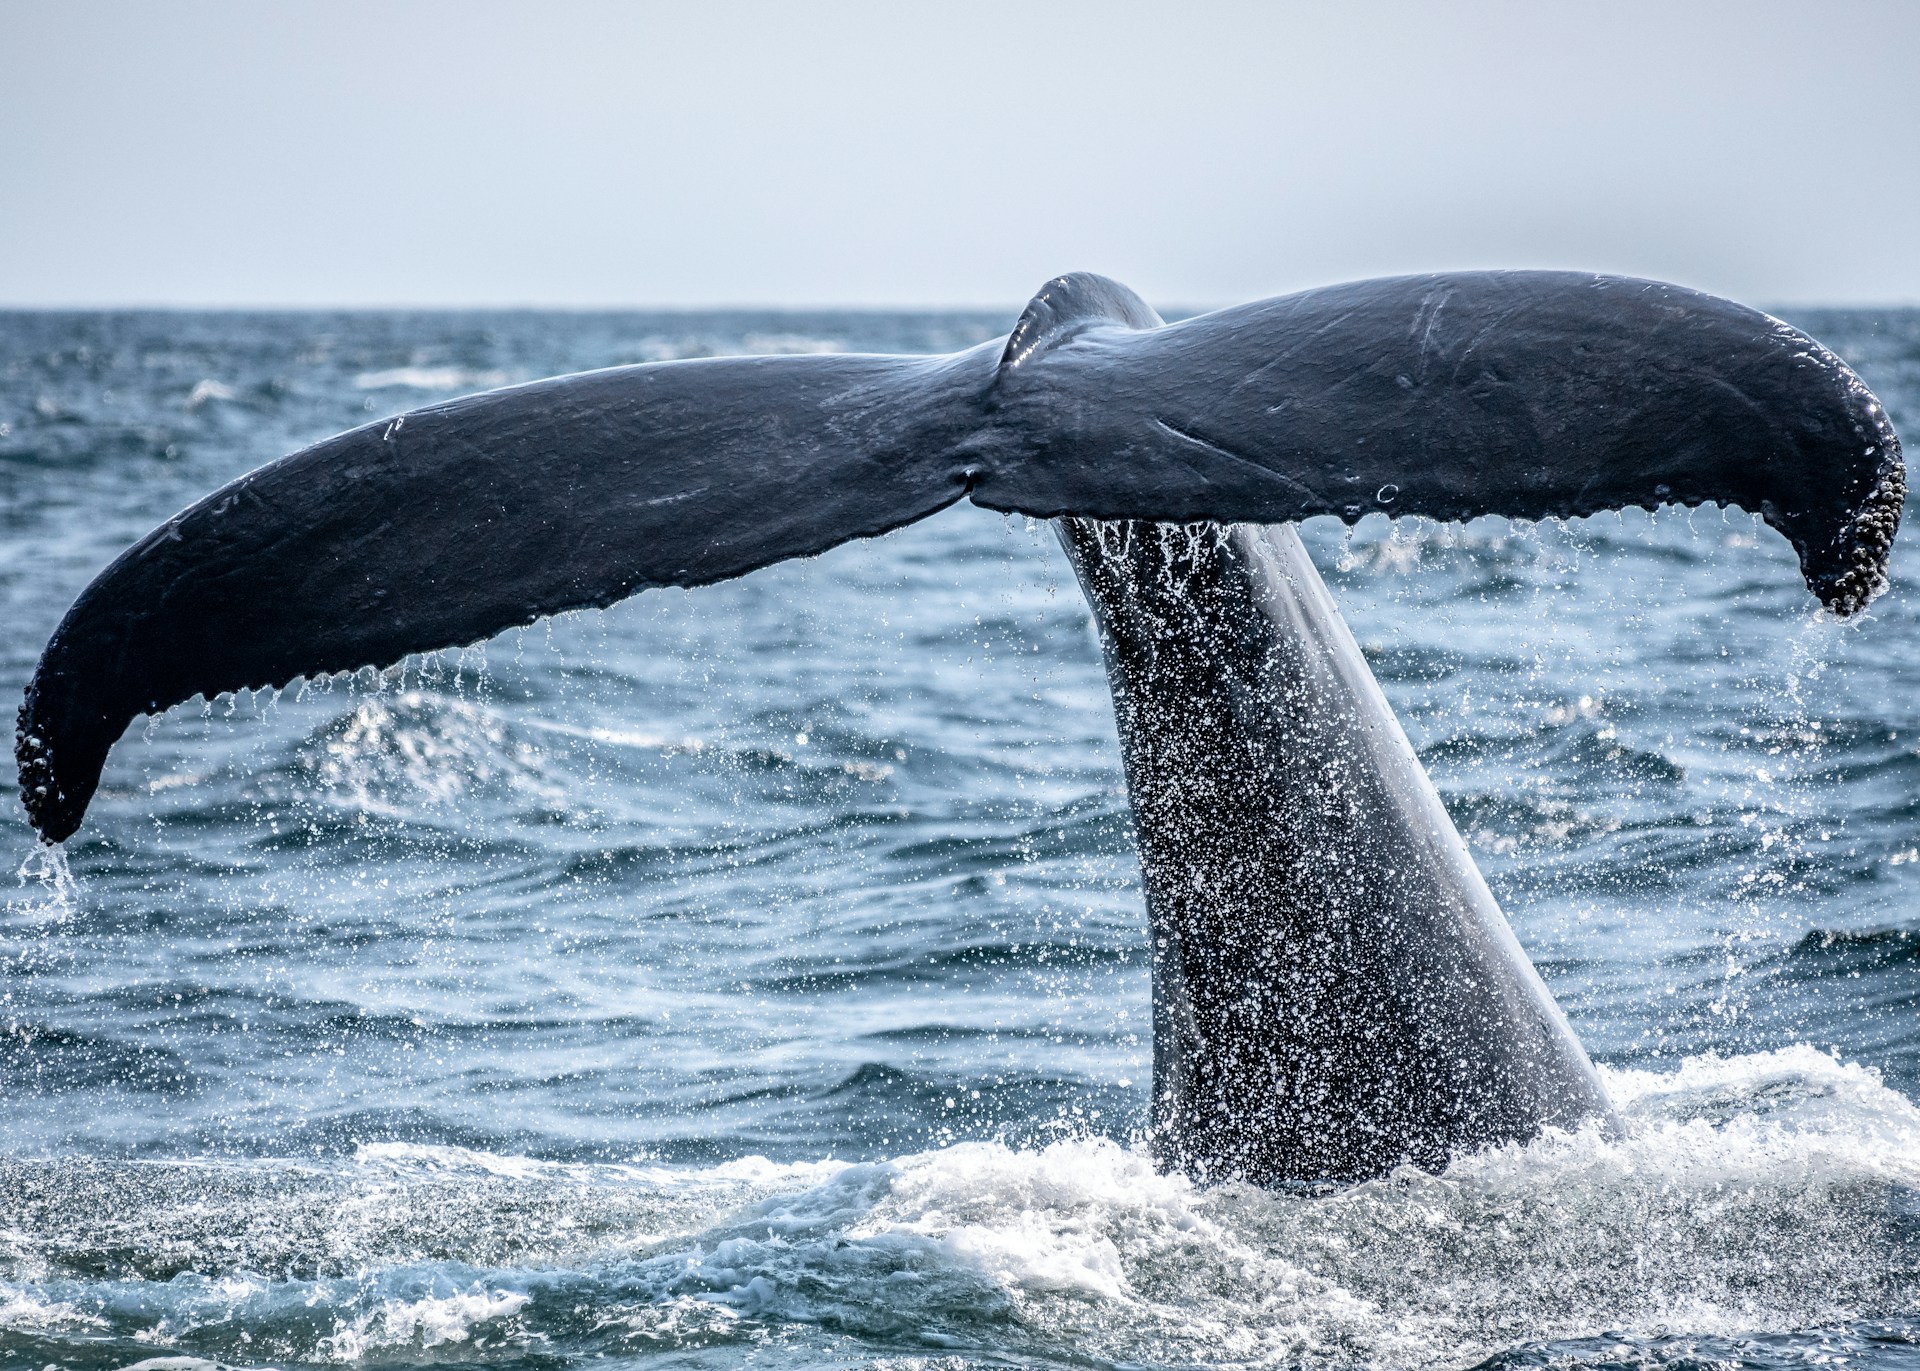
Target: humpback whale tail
<point x="1304" y="1030"/>
<point x="1521" y="393"/>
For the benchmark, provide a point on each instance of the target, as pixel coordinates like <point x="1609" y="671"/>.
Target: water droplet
<point x="1386" y="493"/>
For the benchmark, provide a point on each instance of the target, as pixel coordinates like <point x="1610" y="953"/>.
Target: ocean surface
<point x="756" y="975"/>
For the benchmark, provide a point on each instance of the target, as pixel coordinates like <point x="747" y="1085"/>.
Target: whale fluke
<point x="1521" y="393"/>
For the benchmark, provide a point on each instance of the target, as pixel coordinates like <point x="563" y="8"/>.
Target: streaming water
<point x="756" y="974"/>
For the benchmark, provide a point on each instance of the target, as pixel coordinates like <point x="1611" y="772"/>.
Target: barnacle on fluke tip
<point x="1867" y="543"/>
<point x="37" y="780"/>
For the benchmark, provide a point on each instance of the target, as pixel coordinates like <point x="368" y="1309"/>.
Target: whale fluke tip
<point x="1865" y="546"/>
<point x="54" y="813"/>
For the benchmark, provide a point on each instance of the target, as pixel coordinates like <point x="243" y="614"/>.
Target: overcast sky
<point x="953" y="153"/>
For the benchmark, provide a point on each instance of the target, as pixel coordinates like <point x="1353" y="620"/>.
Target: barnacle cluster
<point x="1868" y="539"/>
<point x="37" y="788"/>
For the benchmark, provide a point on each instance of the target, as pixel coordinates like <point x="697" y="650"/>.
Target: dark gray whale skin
<point x="1336" y="991"/>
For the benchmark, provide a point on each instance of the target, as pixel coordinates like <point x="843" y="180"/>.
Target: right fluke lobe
<point x="1528" y="394"/>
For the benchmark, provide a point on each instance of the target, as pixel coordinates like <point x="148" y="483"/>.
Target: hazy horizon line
<point x="1013" y="309"/>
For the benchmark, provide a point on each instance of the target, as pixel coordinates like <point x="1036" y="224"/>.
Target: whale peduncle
<point x="1335" y="989"/>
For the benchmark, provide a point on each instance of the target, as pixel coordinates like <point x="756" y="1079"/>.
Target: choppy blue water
<point x="756" y="974"/>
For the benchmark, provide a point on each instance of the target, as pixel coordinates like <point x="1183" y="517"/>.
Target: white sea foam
<point x="210" y="389"/>
<point x="1744" y="1195"/>
<point x="431" y="1321"/>
<point x="432" y="1159"/>
<point x="28" y="1312"/>
<point x="429" y="378"/>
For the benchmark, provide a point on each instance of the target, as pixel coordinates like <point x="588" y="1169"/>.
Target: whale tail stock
<point x="1335" y="990"/>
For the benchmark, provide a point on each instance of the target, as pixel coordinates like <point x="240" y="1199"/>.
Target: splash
<point x="45" y="868"/>
<point x="1746" y="1196"/>
<point x="393" y="752"/>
